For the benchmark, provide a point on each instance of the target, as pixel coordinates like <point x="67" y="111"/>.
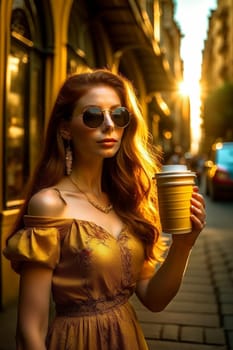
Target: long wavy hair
<point x="127" y="177"/>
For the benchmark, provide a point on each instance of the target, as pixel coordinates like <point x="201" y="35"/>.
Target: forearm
<point x="157" y="292"/>
<point x="33" y="308"/>
<point x="31" y="337"/>
<point x="30" y="341"/>
<point x="166" y="282"/>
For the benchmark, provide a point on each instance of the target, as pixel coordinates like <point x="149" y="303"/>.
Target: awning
<point x="128" y="28"/>
<point x="156" y="72"/>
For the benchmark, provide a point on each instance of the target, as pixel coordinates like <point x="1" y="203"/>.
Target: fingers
<point x="196" y="195"/>
<point x="198" y="213"/>
<point x="198" y="222"/>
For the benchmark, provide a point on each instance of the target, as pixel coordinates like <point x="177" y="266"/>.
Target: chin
<point x="109" y="153"/>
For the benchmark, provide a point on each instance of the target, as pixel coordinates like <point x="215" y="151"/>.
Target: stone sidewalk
<point x="200" y="317"/>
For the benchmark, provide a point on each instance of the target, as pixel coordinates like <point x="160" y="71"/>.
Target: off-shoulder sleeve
<point x="37" y="245"/>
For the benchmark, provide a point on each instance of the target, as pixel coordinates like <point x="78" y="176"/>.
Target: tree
<point x="218" y="113"/>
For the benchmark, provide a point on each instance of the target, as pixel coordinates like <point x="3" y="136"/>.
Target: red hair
<point x="127" y="177"/>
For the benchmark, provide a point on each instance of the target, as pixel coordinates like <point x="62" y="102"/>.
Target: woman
<point x="89" y="230"/>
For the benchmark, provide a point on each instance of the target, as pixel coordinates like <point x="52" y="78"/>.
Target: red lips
<point x="107" y="141"/>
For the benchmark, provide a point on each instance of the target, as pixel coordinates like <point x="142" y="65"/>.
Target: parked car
<point x="219" y="171"/>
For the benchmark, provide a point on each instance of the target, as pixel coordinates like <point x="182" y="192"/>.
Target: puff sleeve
<point x="37" y="245"/>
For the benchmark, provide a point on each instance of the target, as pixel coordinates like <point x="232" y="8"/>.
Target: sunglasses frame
<point x="102" y="116"/>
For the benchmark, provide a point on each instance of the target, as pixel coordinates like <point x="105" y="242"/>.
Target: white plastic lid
<point x="174" y="168"/>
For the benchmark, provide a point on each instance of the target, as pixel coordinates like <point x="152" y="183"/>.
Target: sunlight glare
<point x="191" y="88"/>
<point x="195" y="105"/>
<point x="184" y="88"/>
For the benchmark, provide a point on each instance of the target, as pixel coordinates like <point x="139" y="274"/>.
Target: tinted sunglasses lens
<point x="93" y="117"/>
<point x="121" y="117"/>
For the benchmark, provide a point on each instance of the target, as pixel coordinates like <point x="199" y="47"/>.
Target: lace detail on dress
<point x="84" y="255"/>
<point x="91" y="306"/>
<point x="98" y="232"/>
<point x="114" y="319"/>
<point x="126" y="256"/>
<point x="84" y="260"/>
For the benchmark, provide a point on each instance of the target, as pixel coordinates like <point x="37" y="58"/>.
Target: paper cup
<point x="175" y="186"/>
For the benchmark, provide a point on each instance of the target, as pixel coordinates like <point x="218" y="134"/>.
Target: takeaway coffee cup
<point x="175" y="186"/>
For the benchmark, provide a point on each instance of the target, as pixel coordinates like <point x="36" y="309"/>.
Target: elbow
<point x="156" y="307"/>
<point x="21" y="340"/>
<point x="159" y="308"/>
<point x="31" y="339"/>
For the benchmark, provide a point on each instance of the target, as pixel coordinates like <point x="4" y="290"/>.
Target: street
<point x="219" y="214"/>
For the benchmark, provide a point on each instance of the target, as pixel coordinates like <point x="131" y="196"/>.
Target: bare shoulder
<point x="46" y="202"/>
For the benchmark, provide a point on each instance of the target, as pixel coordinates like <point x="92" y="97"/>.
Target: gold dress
<point x="94" y="275"/>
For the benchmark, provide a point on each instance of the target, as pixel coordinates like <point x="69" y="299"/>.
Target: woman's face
<point x="103" y="141"/>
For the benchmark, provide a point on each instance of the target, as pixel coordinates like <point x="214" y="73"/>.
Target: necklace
<point x="105" y="210"/>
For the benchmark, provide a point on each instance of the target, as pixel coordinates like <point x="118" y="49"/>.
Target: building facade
<point x="41" y="43"/>
<point x="217" y="63"/>
<point x="217" y="57"/>
<point x="179" y="110"/>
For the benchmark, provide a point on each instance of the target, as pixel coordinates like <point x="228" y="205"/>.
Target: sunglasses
<point x="93" y="117"/>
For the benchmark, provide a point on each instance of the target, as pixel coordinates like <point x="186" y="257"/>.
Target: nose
<point x="108" y="122"/>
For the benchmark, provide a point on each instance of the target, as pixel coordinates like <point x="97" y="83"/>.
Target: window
<point x="15" y="124"/>
<point x="24" y="112"/>
<point x="80" y="49"/>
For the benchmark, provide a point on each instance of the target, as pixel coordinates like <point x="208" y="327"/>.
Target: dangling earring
<point x="68" y="159"/>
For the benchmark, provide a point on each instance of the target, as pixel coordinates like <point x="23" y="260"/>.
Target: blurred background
<point x="178" y="54"/>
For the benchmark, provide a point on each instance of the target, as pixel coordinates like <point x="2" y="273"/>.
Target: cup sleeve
<point x="33" y="245"/>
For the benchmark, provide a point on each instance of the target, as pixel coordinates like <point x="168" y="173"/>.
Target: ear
<point x="65" y="130"/>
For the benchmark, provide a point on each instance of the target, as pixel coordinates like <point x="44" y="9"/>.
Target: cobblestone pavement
<point x="200" y="317"/>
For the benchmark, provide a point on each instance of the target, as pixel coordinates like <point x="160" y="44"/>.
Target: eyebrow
<point x="95" y="105"/>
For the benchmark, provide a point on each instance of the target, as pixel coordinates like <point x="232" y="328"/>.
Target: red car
<point x="219" y="171"/>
